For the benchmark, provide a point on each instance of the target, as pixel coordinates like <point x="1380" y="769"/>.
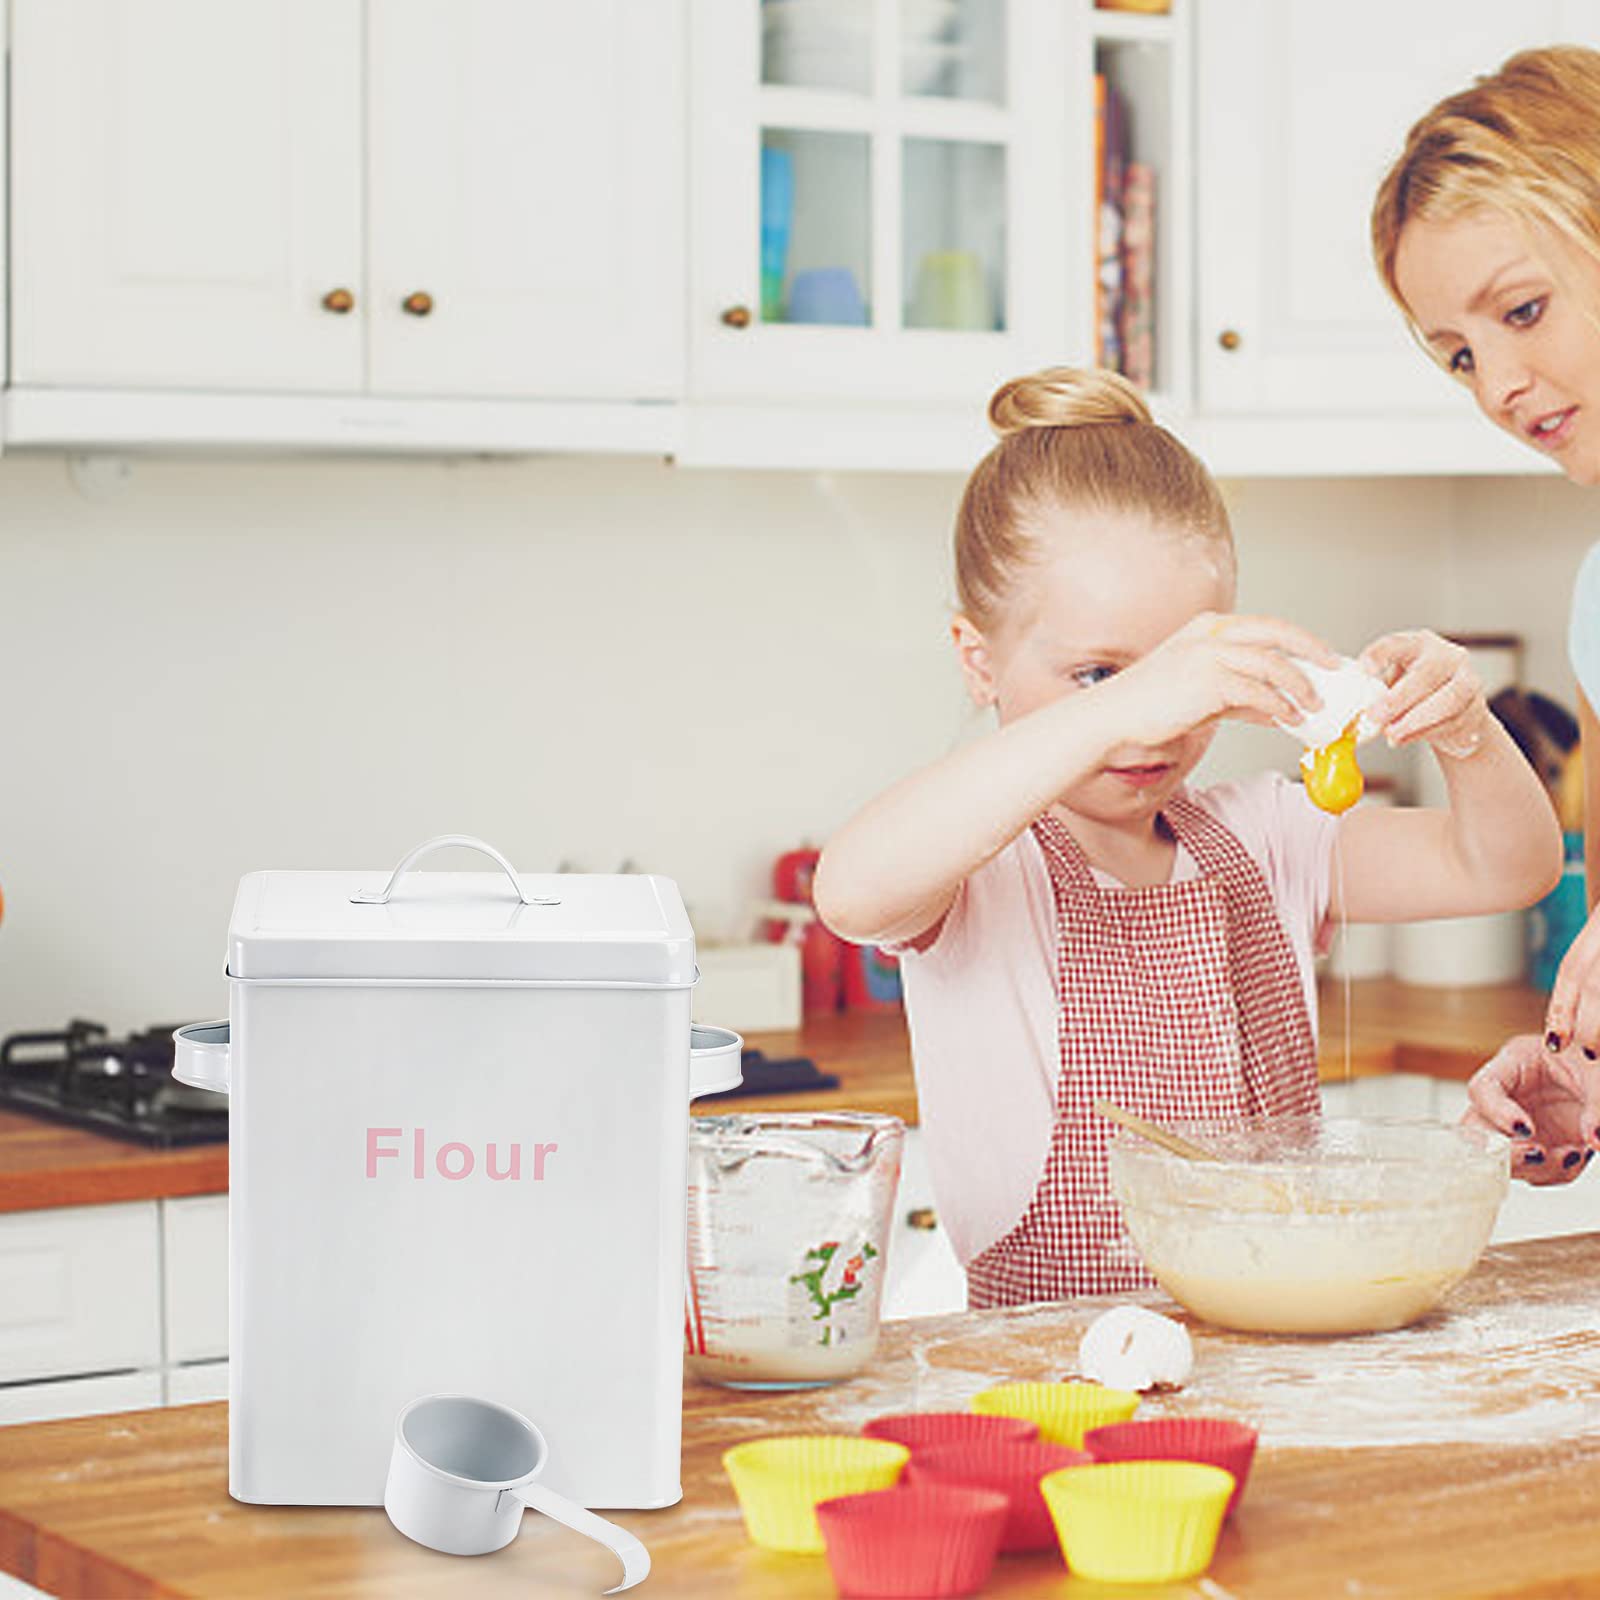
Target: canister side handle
<point x="200" y="1055"/>
<point x="380" y="897"/>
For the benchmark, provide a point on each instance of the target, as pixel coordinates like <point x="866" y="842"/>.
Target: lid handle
<point x="380" y="897"/>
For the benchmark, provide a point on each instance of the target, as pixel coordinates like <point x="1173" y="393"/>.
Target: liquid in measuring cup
<point x="788" y="1240"/>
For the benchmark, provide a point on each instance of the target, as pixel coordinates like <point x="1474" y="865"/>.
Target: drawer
<point x="80" y="1291"/>
<point x="79" y="1397"/>
<point x="188" y="1386"/>
<point x="924" y="1277"/>
<point x="195" y="1239"/>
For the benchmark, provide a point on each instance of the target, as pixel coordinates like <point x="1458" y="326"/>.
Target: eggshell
<point x="1347" y="691"/>
<point x="1129" y="1347"/>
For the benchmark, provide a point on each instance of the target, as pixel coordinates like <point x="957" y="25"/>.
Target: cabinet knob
<point x="339" y="301"/>
<point x="418" y="304"/>
<point x="737" y="316"/>
<point x="924" y="1219"/>
<point x="1230" y="338"/>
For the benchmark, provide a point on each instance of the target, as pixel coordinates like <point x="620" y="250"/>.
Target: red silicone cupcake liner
<point x="1213" y="1440"/>
<point x="898" y="1543"/>
<point x="1013" y="1469"/>
<point x="933" y="1430"/>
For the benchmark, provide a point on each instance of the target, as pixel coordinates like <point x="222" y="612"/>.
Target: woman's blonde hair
<point x="1524" y="142"/>
<point x="1076" y="440"/>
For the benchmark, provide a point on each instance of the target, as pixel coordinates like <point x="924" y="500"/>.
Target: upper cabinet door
<point x="186" y="194"/>
<point x="1301" y="108"/>
<point x="525" y="162"/>
<point x="879" y="194"/>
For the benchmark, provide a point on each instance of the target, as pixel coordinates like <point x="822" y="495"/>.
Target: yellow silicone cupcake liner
<point x="1064" y="1412"/>
<point x="779" y="1482"/>
<point x="1138" y="1521"/>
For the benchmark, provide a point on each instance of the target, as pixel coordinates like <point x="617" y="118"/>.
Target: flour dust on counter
<point x="1491" y="1366"/>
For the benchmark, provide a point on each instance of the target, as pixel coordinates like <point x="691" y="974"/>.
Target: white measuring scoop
<point x="461" y="1471"/>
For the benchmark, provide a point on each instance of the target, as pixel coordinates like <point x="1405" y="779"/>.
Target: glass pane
<point x="954" y="48"/>
<point x="955" y="234"/>
<point x="818" y="44"/>
<point x="816" y="217"/>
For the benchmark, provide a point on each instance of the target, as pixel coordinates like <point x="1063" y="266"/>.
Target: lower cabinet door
<point x="80" y="1291"/>
<point x="194" y="1231"/>
<point x="196" y="1384"/>
<point x="79" y="1397"/>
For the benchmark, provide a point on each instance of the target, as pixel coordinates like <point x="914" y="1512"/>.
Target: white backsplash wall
<point x="233" y="665"/>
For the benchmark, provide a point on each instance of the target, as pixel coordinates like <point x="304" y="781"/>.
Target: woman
<point x="1486" y="232"/>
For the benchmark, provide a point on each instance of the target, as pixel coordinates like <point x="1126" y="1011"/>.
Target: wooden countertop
<point x="1458" y="1458"/>
<point x="1394" y="1028"/>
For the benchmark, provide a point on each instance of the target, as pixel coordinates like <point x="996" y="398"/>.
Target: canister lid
<point x="580" y="928"/>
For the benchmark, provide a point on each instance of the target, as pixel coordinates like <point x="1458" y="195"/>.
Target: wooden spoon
<point x="1280" y="1198"/>
<point x="1175" y="1142"/>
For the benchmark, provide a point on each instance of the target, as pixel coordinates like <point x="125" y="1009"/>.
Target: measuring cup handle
<point x="628" y="1550"/>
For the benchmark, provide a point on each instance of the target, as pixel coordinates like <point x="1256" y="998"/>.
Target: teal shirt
<point x="1583" y="632"/>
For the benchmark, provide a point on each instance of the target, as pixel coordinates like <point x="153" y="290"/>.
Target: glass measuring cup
<point x="788" y="1242"/>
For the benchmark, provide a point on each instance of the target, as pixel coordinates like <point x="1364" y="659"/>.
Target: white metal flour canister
<point x="459" y="1113"/>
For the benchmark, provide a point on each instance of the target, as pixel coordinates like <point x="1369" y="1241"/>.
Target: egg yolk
<point x="1333" y="778"/>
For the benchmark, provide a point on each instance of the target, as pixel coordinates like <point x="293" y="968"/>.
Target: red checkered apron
<point x="1181" y="1001"/>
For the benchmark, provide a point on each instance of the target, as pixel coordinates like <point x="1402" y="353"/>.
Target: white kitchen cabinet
<point x="924" y="1277"/>
<point x="323" y="224"/>
<point x="197" y="1384"/>
<point x="80" y="1291"/>
<point x="526" y="194"/>
<point x="194" y="1232"/>
<point x="1302" y="107"/>
<point x="79" y="1397"/>
<point x="877" y="205"/>
<point x="185" y="192"/>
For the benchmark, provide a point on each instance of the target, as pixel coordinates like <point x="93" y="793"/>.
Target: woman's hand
<point x="1433" y="694"/>
<point x="1214" y="666"/>
<point x="1546" y="1102"/>
<point x="1572" y="1019"/>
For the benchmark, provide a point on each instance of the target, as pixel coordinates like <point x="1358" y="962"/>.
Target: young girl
<point x="1075" y="922"/>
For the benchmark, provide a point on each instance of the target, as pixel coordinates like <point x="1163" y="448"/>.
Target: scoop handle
<point x="628" y="1550"/>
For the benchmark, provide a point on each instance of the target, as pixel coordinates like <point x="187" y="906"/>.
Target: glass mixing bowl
<point x="1313" y="1225"/>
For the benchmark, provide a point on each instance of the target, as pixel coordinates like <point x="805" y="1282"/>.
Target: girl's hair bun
<point x="1065" y="397"/>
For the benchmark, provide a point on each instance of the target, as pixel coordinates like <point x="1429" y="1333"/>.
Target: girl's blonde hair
<point x="1074" y="440"/>
<point x="1524" y="142"/>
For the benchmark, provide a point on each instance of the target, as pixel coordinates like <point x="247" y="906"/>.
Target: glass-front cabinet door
<point x="871" y="181"/>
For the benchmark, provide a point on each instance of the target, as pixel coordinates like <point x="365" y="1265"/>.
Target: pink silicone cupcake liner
<point x="932" y="1430"/>
<point x="899" y="1543"/>
<point x="1013" y="1469"/>
<point x="1214" y="1441"/>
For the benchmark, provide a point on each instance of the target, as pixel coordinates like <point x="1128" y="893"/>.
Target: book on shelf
<point x="1124" y="230"/>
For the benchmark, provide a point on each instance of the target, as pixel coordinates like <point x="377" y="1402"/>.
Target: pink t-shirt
<point x="983" y="1006"/>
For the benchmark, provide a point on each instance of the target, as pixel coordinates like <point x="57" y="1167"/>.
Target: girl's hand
<point x="1433" y="693"/>
<point x="1217" y="666"/>
<point x="1547" y="1104"/>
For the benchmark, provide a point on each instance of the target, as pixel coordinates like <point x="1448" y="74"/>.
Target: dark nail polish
<point x="1572" y="1158"/>
<point x="1588" y="1054"/>
<point x="1552" y="1040"/>
<point x="1588" y="1156"/>
<point x="1522" y="1130"/>
<point x="1534" y="1158"/>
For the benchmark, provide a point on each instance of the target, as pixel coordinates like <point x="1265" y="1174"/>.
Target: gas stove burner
<point x="123" y="1087"/>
